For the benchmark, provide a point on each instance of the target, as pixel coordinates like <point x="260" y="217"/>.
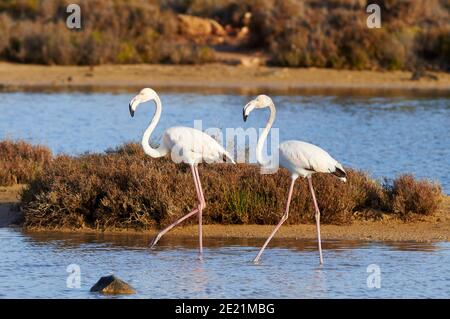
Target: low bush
<point x="293" y="33"/>
<point x="21" y="162"/>
<point x="124" y="188"/>
<point x="113" y="31"/>
<point x="409" y="197"/>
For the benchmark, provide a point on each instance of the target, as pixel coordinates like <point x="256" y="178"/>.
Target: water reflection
<point x="211" y="90"/>
<point x="139" y="241"/>
<point x="34" y="265"/>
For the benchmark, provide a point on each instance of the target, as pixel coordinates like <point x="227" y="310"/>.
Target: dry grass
<point x="126" y="189"/>
<point x="334" y="34"/>
<point x="21" y="162"/>
<point x="113" y="31"/>
<point x="409" y="197"/>
<point x="309" y="33"/>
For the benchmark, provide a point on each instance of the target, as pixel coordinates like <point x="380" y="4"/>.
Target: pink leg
<point x="283" y="219"/>
<point x="200" y="212"/>
<point x="317" y="215"/>
<point x="200" y="190"/>
<point x="195" y="211"/>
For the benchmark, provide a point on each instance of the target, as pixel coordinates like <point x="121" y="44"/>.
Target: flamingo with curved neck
<point x="300" y="158"/>
<point x="148" y="149"/>
<point x="186" y="144"/>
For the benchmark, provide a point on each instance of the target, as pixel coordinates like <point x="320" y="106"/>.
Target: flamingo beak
<point x="131" y="111"/>
<point x="131" y="107"/>
<point x="247" y="109"/>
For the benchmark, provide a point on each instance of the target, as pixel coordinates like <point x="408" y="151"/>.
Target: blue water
<point x="384" y="135"/>
<point x="34" y="266"/>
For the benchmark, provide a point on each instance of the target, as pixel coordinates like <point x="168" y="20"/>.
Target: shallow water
<point x="384" y="135"/>
<point x="34" y="265"/>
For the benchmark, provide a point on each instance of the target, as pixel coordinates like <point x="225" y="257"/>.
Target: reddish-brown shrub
<point x="293" y="33"/>
<point x="124" y="188"/>
<point x="408" y="196"/>
<point x="21" y="162"/>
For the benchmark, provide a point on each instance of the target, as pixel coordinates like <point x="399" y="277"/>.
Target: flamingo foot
<point x="155" y="241"/>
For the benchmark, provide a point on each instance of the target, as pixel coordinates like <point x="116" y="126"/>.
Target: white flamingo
<point x="300" y="158"/>
<point x="186" y="145"/>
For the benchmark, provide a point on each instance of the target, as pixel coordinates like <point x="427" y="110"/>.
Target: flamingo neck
<point x="263" y="136"/>
<point x="148" y="149"/>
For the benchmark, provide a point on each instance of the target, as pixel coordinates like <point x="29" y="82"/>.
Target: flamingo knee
<point x="202" y="205"/>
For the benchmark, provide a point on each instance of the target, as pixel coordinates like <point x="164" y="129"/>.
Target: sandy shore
<point x="213" y="77"/>
<point x="435" y="228"/>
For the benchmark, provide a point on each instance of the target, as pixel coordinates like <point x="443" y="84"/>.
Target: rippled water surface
<point x="385" y="135"/>
<point x="34" y="265"/>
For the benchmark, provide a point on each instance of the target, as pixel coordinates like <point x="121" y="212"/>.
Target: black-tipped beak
<point x="131" y="110"/>
<point x="244" y="116"/>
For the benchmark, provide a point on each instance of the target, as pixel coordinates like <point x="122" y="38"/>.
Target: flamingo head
<point x="144" y="96"/>
<point x="260" y="102"/>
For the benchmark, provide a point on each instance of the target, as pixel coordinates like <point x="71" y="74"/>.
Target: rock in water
<point x="112" y="285"/>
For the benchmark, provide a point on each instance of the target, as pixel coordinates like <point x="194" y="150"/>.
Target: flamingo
<point x="186" y="145"/>
<point x="300" y="158"/>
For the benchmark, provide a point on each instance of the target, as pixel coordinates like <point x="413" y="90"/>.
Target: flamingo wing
<point x="305" y="158"/>
<point x="195" y="145"/>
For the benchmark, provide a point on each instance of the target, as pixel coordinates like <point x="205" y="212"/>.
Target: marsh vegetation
<point x="124" y="188"/>
<point x="311" y="33"/>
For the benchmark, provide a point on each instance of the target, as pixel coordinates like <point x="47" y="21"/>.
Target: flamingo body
<point x="186" y="145"/>
<point x="193" y="146"/>
<point x="300" y="158"/>
<point x="304" y="159"/>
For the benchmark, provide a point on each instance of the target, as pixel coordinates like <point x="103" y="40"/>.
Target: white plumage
<point x="305" y="159"/>
<point x="300" y="158"/>
<point x="186" y="145"/>
<point x="193" y="146"/>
